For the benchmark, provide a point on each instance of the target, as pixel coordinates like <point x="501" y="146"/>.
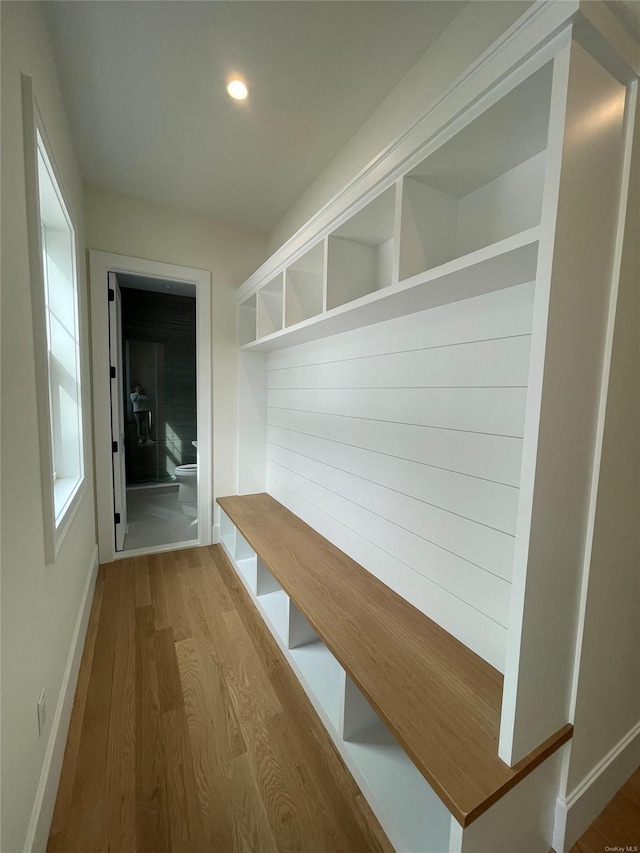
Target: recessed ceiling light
<point x="237" y="89"/>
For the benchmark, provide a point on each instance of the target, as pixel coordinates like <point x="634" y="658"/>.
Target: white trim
<point x="156" y="549"/>
<point x="575" y="813"/>
<point x="42" y="811"/>
<point x="100" y="264"/>
<point x="55" y="529"/>
<point x="215" y="534"/>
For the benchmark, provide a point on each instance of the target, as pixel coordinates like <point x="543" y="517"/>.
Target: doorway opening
<point x="152" y="337"/>
<point x="158" y="394"/>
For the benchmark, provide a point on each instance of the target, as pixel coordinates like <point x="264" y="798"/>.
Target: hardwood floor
<point x="618" y="826"/>
<point x="189" y="733"/>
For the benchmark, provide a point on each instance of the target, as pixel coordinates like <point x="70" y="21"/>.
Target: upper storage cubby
<point x="483" y="185"/>
<point x="304" y="286"/>
<point x="360" y="252"/>
<point x="247" y="320"/>
<point x="271" y="307"/>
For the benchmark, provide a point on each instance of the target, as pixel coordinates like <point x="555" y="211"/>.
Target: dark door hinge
<point x="112" y="371"/>
<point x="112" y="294"/>
<point x="116" y="516"/>
<point x="114" y="446"/>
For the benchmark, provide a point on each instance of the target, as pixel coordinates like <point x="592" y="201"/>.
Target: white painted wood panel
<point x="476" y="543"/>
<point x="498" y="411"/>
<point x="492" y="504"/>
<point x="408" y="434"/>
<point x="478" y="588"/>
<point x="489" y="457"/>
<point x="498" y="314"/>
<point x="473" y="628"/>
<point x="493" y="363"/>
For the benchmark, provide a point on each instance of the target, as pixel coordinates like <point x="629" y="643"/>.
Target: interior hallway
<point x="189" y="733"/>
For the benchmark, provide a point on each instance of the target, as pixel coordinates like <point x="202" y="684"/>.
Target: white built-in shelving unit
<point x="516" y="179"/>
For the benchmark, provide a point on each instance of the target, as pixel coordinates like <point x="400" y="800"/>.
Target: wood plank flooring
<point x="618" y="826"/>
<point x="190" y="734"/>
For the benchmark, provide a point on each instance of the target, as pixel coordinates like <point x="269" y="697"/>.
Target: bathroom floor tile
<point x="155" y="517"/>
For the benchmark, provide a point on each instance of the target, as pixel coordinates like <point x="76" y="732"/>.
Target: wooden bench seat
<point x="437" y="697"/>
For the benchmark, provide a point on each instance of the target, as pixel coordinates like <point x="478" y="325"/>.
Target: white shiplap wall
<point x="401" y="443"/>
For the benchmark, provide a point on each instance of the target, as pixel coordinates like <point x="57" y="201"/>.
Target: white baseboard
<point x="575" y="813"/>
<point x="215" y="534"/>
<point x="42" y="812"/>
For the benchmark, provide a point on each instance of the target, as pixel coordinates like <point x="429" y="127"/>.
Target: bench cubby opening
<point x="415" y="817"/>
<point x="272" y="600"/>
<point x="246" y="561"/>
<point x="320" y="671"/>
<point x="228" y="534"/>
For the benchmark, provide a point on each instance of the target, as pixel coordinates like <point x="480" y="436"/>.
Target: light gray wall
<point x="40" y="603"/>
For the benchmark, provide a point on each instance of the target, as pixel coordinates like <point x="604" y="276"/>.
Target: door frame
<point x="100" y="264"/>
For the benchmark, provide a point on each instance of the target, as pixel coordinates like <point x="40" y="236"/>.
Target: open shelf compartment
<point x="304" y="286"/>
<point x="270" y="307"/>
<point x="360" y="253"/>
<point x="418" y="817"/>
<point x="247" y="320"/>
<point x="228" y="534"/>
<point x="246" y="561"/>
<point x="482" y="186"/>
<point x="321" y="673"/>
<point x="272" y="600"/>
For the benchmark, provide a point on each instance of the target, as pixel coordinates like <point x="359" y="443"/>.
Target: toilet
<point x="187" y="476"/>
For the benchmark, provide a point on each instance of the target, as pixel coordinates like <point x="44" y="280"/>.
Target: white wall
<point x="40" y="603"/>
<point x="128" y="226"/>
<point x="608" y="688"/>
<point x="477" y="26"/>
<point x="402" y="443"/>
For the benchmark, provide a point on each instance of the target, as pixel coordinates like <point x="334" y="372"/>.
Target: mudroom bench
<point x="413" y="711"/>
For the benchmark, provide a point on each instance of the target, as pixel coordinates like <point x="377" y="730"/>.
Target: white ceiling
<point x="144" y="88"/>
